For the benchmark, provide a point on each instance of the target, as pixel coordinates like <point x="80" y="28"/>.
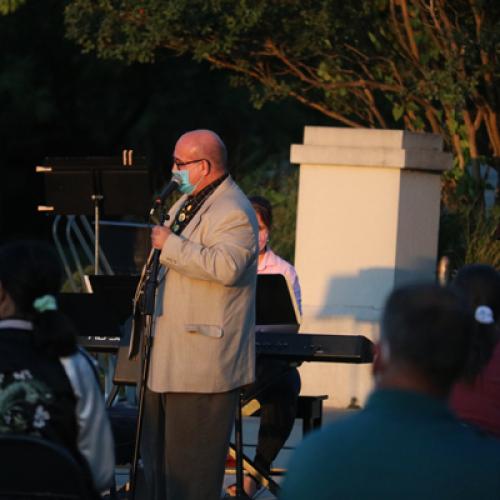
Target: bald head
<point x="204" y="144"/>
<point x="202" y="156"/>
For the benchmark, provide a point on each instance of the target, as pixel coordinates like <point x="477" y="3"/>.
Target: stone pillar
<point x="367" y="221"/>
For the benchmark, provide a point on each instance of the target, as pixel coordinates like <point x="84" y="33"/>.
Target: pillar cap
<point x="371" y="148"/>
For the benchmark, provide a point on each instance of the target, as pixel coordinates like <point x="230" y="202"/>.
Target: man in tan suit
<point x="204" y="347"/>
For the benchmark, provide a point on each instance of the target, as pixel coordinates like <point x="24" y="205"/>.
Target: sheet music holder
<point x="71" y="185"/>
<point x="276" y="306"/>
<point x="91" y="314"/>
<point x="99" y="185"/>
<point x="102" y="313"/>
<point x="126" y="245"/>
<point x="118" y="290"/>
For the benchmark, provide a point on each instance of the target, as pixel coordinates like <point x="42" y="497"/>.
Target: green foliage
<point x="362" y="63"/>
<point x="469" y="230"/>
<point x="354" y="62"/>
<point x="481" y="233"/>
<point x="77" y="281"/>
<point x="238" y="35"/>
<point x="277" y="181"/>
<point x="56" y="101"/>
<point x="10" y="6"/>
<point x="398" y="111"/>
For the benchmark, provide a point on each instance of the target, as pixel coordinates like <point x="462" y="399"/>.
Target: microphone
<point x="167" y="190"/>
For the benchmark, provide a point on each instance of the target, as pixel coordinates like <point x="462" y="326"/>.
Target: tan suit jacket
<point x="205" y="309"/>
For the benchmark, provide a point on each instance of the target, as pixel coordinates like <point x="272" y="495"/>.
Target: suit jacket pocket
<point x="214" y="331"/>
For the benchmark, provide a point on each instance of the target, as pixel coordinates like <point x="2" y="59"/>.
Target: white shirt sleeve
<point x="95" y="439"/>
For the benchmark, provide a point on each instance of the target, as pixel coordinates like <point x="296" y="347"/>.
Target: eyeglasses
<point x="183" y="164"/>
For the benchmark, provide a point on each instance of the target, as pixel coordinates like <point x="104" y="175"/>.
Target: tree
<point x="429" y="65"/>
<point x="56" y="101"/>
<point x="422" y="65"/>
<point x="10" y="6"/>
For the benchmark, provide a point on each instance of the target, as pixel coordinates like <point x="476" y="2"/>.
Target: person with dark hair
<point x="48" y="387"/>
<point x="277" y="384"/>
<point x="476" y="398"/>
<point x="405" y="443"/>
<point x="269" y="262"/>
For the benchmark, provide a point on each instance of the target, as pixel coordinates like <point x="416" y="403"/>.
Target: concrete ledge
<point x="369" y="138"/>
<point x="420" y="159"/>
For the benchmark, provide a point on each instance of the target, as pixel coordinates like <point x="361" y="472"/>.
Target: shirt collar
<point x="268" y="260"/>
<point x="401" y="401"/>
<point x="16" y="324"/>
<point x="208" y="190"/>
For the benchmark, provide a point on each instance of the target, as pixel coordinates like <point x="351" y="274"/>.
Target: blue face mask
<point x="185" y="185"/>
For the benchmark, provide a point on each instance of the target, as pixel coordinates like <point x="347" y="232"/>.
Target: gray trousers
<point x="184" y="444"/>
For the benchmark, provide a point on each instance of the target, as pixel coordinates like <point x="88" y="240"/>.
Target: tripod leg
<point x="238" y="435"/>
<point x="112" y="396"/>
<point x="238" y="442"/>
<point x="140" y="415"/>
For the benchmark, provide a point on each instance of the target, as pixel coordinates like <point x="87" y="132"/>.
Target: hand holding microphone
<point x="159" y="234"/>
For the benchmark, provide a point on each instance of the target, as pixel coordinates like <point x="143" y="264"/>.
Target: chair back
<point x="32" y="467"/>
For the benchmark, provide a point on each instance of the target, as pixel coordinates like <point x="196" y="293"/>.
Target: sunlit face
<point x="263" y="234"/>
<point x="190" y="174"/>
<point x="186" y="160"/>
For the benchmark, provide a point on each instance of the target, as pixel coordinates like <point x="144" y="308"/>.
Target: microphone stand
<point x="148" y="309"/>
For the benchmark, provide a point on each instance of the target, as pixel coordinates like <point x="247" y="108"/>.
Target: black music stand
<point x="102" y="313"/>
<point x="275" y="305"/>
<point x="99" y="185"/>
<point x="91" y="314"/>
<point x="118" y="290"/>
<point x="126" y="245"/>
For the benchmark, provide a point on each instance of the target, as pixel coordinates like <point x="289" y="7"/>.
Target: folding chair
<point x="32" y="467"/>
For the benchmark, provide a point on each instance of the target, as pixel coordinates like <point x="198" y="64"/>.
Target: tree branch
<point x="410" y="35"/>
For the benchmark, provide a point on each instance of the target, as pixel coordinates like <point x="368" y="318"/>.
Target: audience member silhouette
<point x="476" y="398"/>
<point x="405" y="443"/>
<point x="48" y="387"/>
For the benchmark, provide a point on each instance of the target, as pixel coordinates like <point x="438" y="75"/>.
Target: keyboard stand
<point x="243" y="462"/>
<point x="259" y="476"/>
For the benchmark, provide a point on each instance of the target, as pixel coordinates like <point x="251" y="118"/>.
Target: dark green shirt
<point x="402" y="445"/>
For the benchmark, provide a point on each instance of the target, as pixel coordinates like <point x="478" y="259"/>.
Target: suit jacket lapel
<point x="195" y="221"/>
<point x="171" y="218"/>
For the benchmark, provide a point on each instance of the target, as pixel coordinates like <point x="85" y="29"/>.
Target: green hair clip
<point x="45" y="303"/>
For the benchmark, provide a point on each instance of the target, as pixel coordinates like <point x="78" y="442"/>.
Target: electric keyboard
<point x="287" y="346"/>
<point x="314" y="347"/>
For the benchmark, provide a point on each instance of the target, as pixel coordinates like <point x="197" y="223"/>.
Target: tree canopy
<point x="425" y="65"/>
<point x="421" y="65"/>
<point x="56" y="101"/>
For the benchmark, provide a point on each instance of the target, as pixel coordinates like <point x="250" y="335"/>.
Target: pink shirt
<point x="272" y="264"/>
